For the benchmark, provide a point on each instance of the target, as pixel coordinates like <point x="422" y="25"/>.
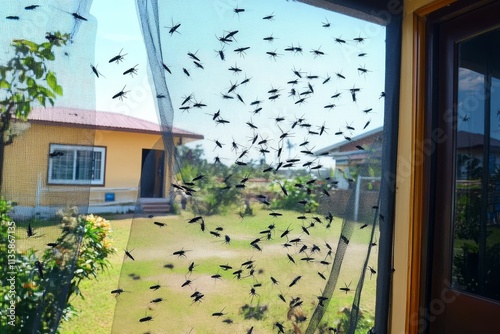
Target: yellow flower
<point x="107" y="243"/>
<point x="29" y="285"/>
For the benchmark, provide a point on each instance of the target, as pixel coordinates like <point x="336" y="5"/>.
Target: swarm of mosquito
<point x="306" y="257"/>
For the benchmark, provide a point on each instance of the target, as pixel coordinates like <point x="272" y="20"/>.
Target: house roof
<point x="467" y="140"/>
<point x="102" y="120"/>
<point x="337" y="146"/>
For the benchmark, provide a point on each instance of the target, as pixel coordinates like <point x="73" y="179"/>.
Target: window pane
<point x="62" y="165"/>
<point x="476" y="248"/>
<point x="97" y="166"/>
<point x="84" y="164"/>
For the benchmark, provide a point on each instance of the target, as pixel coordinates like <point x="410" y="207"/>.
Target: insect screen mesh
<point x="267" y="159"/>
<point x="269" y="235"/>
<point x="43" y="46"/>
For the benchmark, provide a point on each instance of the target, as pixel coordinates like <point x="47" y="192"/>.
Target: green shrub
<point x="365" y="321"/>
<point x="299" y="195"/>
<point x="256" y="312"/>
<point x="39" y="287"/>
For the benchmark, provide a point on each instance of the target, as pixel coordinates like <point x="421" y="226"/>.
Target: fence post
<point x="356" y="197"/>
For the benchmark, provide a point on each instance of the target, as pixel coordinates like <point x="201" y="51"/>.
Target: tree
<point x="26" y="80"/>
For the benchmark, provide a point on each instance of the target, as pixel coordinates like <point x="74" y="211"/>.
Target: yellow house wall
<point x="123" y="161"/>
<point x="26" y="164"/>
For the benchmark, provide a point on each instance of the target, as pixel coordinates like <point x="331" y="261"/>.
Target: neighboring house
<point x="347" y="155"/>
<point x="103" y="160"/>
<point x="470" y="154"/>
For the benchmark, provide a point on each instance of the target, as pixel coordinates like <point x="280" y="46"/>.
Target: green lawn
<point x="98" y="307"/>
<point x="153" y="248"/>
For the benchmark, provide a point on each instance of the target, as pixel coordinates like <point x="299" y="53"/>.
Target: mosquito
<point x="118" y="58"/>
<point x="269" y="17"/>
<point x="346" y="287"/>
<point x="128" y="253"/>
<point x="131" y="71"/>
<point x="121" y="94"/>
<point x="173" y="28"/>
<point x="317" y="52"/>
<point x="166" y="68"/>
<point x="269" y="38"/>
<point x="96" y="72"/>
<point x="242" y="50"/>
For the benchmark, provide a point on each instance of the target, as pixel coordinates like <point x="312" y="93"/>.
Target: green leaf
<point x="38" y="71"/>
<point x="28" y="61"/>
<point x="45" y="91"/>
<point x="30" y="82"/>
<point x="20" y="47"/>
<point x="31" y="45"/>
<point x="4" y="84"/>
<point x="41" y="99"/>
<point x="32" y="91"/>
<point x="46" y="45"/>
<point x="58" y="90"/>
<point x="23" y="110"/>
<point x="48" y="54"/>
<point x="51" y="80"/>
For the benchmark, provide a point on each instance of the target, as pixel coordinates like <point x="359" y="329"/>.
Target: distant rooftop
<point x="101" y="120"/>
<point x="468" y="140"/>
<point x="335" y="147"/>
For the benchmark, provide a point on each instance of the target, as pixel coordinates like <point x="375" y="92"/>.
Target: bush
<point x="39" y="287"/>
<point x="364" y="325"/>
<point x="468" y="206"/>
<point x="256" y="312"/>
<point x="299" y="196"/>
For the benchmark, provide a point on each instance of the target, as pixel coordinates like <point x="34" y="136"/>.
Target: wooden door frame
<point x="423" y="144"/>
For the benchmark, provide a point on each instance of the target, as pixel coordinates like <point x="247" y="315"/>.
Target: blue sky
<point x="266" y="73"/>
<point x="200" y="23"/>
<point x="72" y="64"/>
<point x="294" y="24"/>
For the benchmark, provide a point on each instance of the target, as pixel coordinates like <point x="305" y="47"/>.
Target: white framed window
<point x="74" y="164"/>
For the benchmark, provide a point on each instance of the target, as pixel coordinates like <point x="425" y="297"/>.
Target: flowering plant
<point x="44" y="284"/>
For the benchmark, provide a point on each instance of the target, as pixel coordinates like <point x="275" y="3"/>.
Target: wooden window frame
<point x="423" y="67"/>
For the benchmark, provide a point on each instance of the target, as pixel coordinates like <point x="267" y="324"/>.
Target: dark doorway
<point x="465" y="271"/>
<point x="152" y="173"/>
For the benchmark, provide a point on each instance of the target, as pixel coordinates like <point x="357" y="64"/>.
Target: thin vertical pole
<point x="356" y="198"/>
<point x="485" y="180"/>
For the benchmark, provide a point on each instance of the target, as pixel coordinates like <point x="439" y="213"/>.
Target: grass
<point x="155" y="263"/>
<point x="97" y="309"/>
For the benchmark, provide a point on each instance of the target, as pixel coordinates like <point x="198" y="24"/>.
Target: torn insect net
<point x="268" y="233"/>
